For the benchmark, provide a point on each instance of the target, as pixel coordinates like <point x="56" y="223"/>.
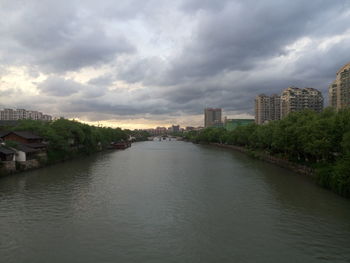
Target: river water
<point x="170" y="201"/>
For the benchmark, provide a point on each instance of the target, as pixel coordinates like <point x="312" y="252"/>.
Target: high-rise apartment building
<point x="339" y="90"/>
<point x="8" y="114"/>
<point x="267" y="108"/>
<point x="212" y="117"/>
<point x="296" y="99"/>
<point x="22" y="114"/>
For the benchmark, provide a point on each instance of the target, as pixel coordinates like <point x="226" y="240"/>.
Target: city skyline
<point x="141" y="64"/>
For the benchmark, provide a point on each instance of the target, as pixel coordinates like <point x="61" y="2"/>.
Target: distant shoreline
<point x="297" y="168"/>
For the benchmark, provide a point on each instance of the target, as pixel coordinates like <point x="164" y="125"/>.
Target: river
<point x="170" y="201"/>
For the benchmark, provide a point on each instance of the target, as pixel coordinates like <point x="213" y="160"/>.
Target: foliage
<point x="319" y="140"/>
<point x="11" y="144"/>
<point x="67" y="138"/>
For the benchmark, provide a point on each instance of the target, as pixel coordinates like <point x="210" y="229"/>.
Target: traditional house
<point x="24" y="137"/>
<point x="25" y="153"/>
<point x="29" y="146"/>
<point x="6" y="154"/>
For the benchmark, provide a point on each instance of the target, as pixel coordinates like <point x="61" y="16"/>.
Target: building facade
<point x="22" y="114"/>
<point x="296" y="99"/>
<point x="212" y="117"/>
<point x="231" y="124"/>
<point x="339" y="90"/>
<point x="267" y="108"/>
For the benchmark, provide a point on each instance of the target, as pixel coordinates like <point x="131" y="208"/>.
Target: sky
<point x="147" y="63"/>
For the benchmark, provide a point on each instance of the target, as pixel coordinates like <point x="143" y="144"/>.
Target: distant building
<point x="296" y="99"/>
<point x="339" y="90"/>
<point x="8" y="115"/>
<point x="160" y="130"/>
<point x="212" y="117"/>
<point x="150" y="131"/>
<point x="46" y="117"/>
<point x="22" y="114"/>
<point x="189" y="128"/>
<point x="267" y="108"/>
<point x="175" y="128"/>
<point x="231" y="124"/>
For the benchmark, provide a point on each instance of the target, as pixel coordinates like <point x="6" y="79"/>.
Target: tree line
<point x="318" y="140"/>
<point x="68" y="138"/>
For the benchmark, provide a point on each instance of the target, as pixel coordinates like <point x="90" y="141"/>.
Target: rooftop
<point x="23" y="134"/>
<point x="347" y="66"/>
<point x="6" y="151"/>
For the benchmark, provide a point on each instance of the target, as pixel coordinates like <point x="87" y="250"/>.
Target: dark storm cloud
<point x="246" y="32"/>
<point x="323" y="64"/>
<point x="104" y="81"/>
<point x="113" y="109"/>
<point x="91" y="50"/>
<point x="60" y="87"/>
<point x="232" y="51"/>
<point x="55" y="86"/>
<point x="240" y="36"/>
<point x="57" y="36"/>
<point x="207" y="5"/>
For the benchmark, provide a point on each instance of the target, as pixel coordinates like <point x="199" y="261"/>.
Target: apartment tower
<point x="212" y="117"/>
<point x="339" y="90"/>
<point x="22" y="114"/>
<point x="296" y="99"/>
<point x="267" y="108"/>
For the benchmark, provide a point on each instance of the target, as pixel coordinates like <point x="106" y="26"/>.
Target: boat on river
<point x="120" y="145"/>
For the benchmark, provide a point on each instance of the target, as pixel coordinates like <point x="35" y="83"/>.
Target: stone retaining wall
<point x="11" y="167"/>
<point x="7" y="167"/>
<point x="30" y="164"/>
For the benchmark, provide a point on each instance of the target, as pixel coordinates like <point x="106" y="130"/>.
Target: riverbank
<point x="34" y="144"/>
<point x="12" y="167"/>
<point x="317" y="140"/>
<point x="300" y="169"/>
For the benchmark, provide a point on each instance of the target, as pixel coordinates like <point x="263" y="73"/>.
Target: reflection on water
<point x="170" y="201"/>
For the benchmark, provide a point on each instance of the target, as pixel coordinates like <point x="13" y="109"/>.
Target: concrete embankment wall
<point x="301" y="169"/>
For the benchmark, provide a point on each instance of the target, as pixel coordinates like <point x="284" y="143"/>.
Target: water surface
<point x="170" y="202"/>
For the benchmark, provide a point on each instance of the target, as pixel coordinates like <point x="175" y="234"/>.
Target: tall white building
<point x="22" y="114"/>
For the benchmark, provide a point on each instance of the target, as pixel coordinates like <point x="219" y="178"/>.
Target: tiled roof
<point x="23" y="134"/>
<point x="6" y="151"/>
<point x="3" y="133"/>
<point x="36" y="145"/>
<point x="26" y="149"/>
<point x="27" y="135"/>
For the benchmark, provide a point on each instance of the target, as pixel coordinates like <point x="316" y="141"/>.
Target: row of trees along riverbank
<point x="68" y="138"/>
<point x="318" y="140"/>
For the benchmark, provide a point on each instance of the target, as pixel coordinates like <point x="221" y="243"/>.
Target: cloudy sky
<point x="144" y="63"/>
